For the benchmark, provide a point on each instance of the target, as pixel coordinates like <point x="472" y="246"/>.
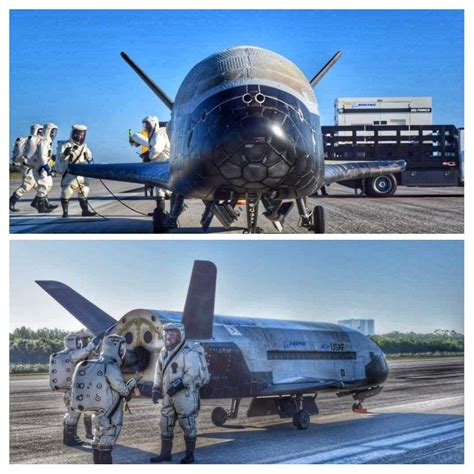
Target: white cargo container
<point x="383" y="111"/>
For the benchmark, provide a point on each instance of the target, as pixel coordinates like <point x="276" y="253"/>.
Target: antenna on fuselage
<point x="150" y="83"/>
<point x="322" y="72"/>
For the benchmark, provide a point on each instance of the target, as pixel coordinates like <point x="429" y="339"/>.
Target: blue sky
<point x="66" y="68"/>
<point x="403" y="285"/>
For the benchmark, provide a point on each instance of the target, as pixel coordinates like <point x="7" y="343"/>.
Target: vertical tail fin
<point x="198" y="314"/>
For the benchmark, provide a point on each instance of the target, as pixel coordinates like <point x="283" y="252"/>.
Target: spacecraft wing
<point x="153" y="174"/>
<point x="91" y="316"/>
<point x="359" y="170"/>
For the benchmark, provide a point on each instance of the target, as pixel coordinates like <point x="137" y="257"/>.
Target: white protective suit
<point x="28" y="182"/>
<point x="108" y="423"/>
<point x="182" y="364"/>
<point x="75" y="353"/>
<point x="40" y="161"/>
<point x="157" y="143"/>
<point x="73" y="152"/>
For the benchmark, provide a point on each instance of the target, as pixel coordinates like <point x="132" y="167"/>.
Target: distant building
<point x="365" y="326"/>
<point x="383" y="111"/>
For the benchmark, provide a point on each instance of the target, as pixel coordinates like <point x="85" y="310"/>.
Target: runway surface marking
<point x="371" y="450"/>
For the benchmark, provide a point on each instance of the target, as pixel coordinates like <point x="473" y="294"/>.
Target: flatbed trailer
<point x="432" y="154"/>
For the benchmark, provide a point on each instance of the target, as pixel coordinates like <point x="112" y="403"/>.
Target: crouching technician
<point x="98" y="388"/>
<point x="180" y="371"/>
<point x="74" y="151"/>
<point x="61" y="369"/>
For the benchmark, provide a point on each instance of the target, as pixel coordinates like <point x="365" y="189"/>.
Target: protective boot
<point x="13" y="200"/>
<point x="34" y="203"/>
<point x="190" y="446"/>
<point x="165" y="454"/>
<point x="105" y="456"/>
<point x="88" y="426"/>
<point x="50" y="206"/>
<point x="65" y="206"/>
<point x="70" y="437"/>
<point x="96" y="455"/>
<point x="42" y="207"/>
<point x="85" y="211"/>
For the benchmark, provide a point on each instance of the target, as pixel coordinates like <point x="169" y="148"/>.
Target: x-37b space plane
<point x="281" y="365"/>
<point x="244" y="125"/>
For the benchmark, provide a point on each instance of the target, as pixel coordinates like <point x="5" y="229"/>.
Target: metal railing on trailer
<point x="432" y="152"/>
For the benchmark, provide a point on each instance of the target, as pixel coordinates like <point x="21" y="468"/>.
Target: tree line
<point x="440" y="341"/>
<point x="29" y="346"/>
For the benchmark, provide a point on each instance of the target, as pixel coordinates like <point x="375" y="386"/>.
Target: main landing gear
<point x="220" y="415"/>
<point x="313" y="220"/>
<point x="301" y="418"/>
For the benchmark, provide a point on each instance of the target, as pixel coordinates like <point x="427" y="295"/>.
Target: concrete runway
<point x="411" y="210"/>
<point x="418" y="418"/>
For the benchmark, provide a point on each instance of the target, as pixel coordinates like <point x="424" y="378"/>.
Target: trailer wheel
<point x="381" y="186"/>
<point x="219" y="416"/>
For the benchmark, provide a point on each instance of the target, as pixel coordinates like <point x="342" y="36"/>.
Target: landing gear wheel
<point x="159" y="218"/>
<point x="219" y="416"/>
<point x="301" y="419"/>
<point x="319" y="224"/>
<point x="381" y="186"/>
<point x="356" y="406"/>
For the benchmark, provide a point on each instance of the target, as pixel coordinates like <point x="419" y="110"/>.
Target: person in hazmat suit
<point x="98" y="387"/>
<point x="21" y="149"/>
<point x="74" y="151"/>
<point x="158" y="146"/>
<point x="61" y="369"/>
<point x="39" y="162"/>
<point x="180" y="371"/>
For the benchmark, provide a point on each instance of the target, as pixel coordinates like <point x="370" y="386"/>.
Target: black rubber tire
<point x="381" y="186"/>
<point x="319" y="224"/>
<point x="159" y="221"/>
<point x="301" y="420"/>
<point x="219" y="416"/>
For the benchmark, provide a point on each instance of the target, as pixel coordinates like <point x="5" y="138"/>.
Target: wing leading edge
<point x="81" y="308"/>
<point x="154" y="174"/>
<point x="359" y="170"/>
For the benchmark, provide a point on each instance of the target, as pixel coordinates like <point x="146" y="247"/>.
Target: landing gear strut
<point x="252" y="202"/>
<point x="301" y="418"/>
<point x="220" y="415"/>
<point x="311" y="220"/>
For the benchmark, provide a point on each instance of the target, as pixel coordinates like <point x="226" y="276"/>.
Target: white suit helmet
<point x="78" y="134"/>
<point x="151" y="124"/>
<point x="173" y="335"/>
<point x="114" y="347"/>
<point x="36" y="129"/>
<point x="72" y="342"/>
<point x="50" y="130"/>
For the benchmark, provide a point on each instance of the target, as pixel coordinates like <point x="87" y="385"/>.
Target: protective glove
<point x="48" y="169"/>
<point x="156" y="394"/>
<point x="129" y="396"/>
<point x="97" y="339"/>
<point x="67" y="151"/>
<point x="176" y="386"/>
